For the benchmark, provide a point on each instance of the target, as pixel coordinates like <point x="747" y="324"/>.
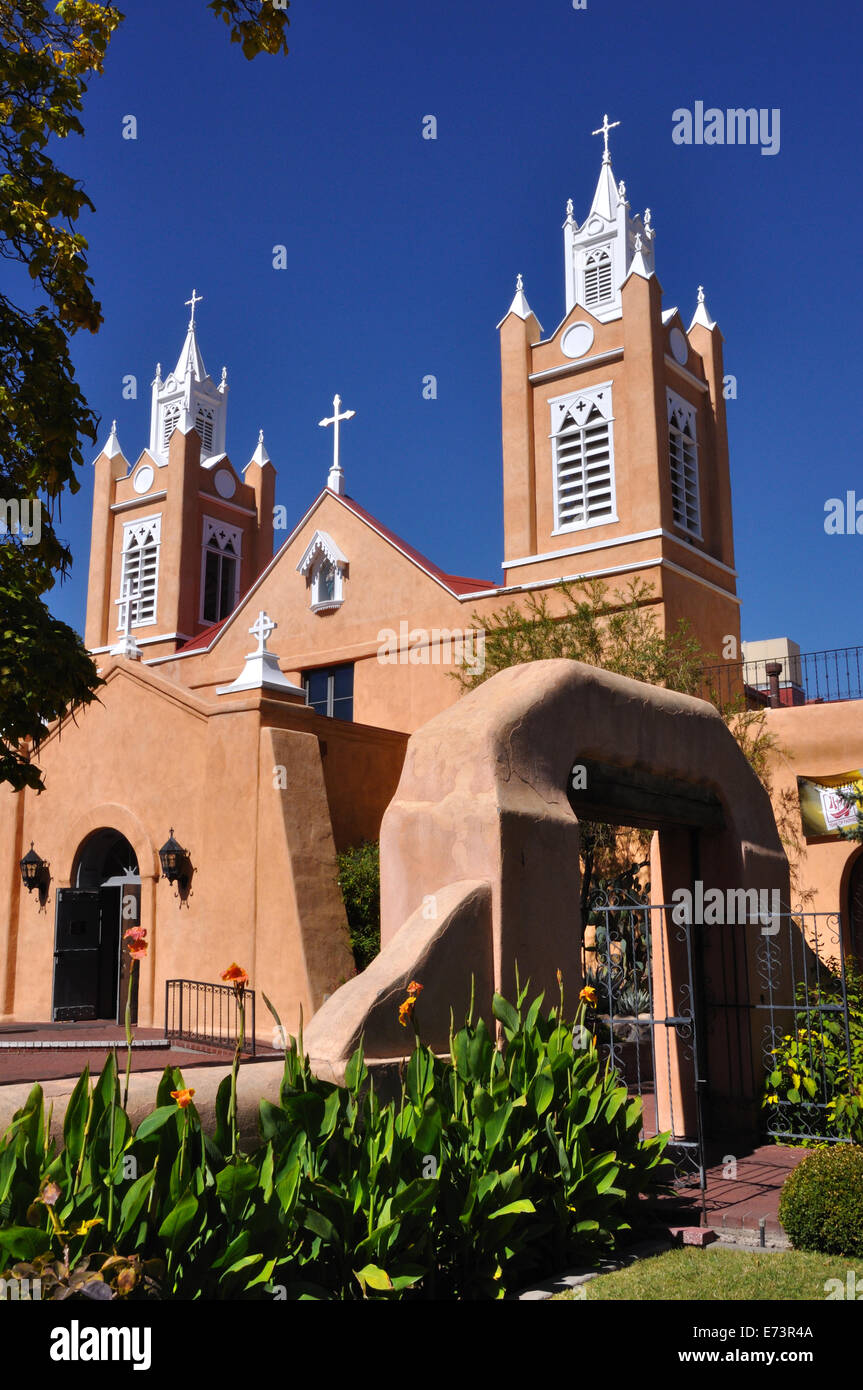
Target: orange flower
<point x="588" y="995"/>
<point x="414" y="987"/>
<point x="238" y="977"/>
<point x="183" y="1098"/>
<point x="136" y="937"/>
<point x="559" y="978"/>
<point x="406" y="1010"/>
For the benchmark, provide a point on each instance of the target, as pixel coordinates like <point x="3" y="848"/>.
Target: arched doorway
<point x="855" y="908"/>
<point x="89" y="981"/>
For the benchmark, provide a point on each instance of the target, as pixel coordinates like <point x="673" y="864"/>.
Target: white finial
<point x="621" y="191"/>
<point x="336" y="479"/>
<point x="224" y="374"/>
<point x="647" y="219"/>
<point x="519" y="283"/>
<point x="569" y="207"/>
<point x="113" y="426"/>
<point x="637" y="242"/>
<point x="702" y="313"/>
<point x="159" y="371"/>
<point x="260" y="436"/>
<point x="196" y="299"/>
<point x="262" y="628"/>
<point x="603" y="131"/>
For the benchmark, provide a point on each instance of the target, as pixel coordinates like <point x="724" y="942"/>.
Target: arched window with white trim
<point x="683" y="460"/>
<point x="220" y="577"/>
<point x="139" y="579"/>
<point x="583" y="458"/>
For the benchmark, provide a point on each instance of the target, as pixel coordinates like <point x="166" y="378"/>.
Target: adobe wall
<point x="480" y="845"/>
<point x="816" y="739"/>
<point x="148" y="756"/>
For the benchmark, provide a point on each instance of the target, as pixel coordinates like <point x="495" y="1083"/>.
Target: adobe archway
<point x="480" y="848"/>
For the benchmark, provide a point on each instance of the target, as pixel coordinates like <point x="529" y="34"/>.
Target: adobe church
<point x="254" y="714"/>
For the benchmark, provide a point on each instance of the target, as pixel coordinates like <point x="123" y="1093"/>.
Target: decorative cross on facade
<point x="603" y="131"/>
<point x="196" y="299"/>
<point x="261" y="628"/>
<point x="337" y="416"/>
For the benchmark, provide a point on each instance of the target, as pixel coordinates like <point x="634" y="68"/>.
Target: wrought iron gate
<point x="704" y="1022"/>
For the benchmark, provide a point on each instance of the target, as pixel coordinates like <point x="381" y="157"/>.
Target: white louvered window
<point x="139" y="581"/>
<point x="204" y="426"/>
<point x="169" y="419"/>
<point x="583" y="451"/>
<point x="598" y="288"/>
<point x="683" y="457"/>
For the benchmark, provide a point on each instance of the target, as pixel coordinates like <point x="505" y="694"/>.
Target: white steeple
<point x="600" y="253"/>
<point x="112" y="448"/>
<point x="260" y="456"/>
<point x="189" y="399"/>
<point x="702" y="313"/>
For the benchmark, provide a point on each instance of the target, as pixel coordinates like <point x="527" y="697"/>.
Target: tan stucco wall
<point x="816" y="739"/>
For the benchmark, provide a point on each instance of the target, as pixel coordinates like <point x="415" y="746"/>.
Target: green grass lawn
<point x="723" y="1274"/>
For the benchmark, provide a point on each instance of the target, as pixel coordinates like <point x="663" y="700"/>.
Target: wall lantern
<point x="34" y="870"/>
<point x="175" y="862"/>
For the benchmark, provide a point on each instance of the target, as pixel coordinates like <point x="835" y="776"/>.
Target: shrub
<point x="499" y="1162"/>
<point x="813" y="1086"/>
<point x="821" y="1204"/>
<point x="360" y="882"/>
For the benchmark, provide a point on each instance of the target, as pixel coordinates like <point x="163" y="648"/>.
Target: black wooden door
<point x="76" y="954"/>
<point x="86" y="953"/>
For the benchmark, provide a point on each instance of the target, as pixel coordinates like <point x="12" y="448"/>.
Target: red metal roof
<point x="458" y="583"/>
<point x="204" y="638"/>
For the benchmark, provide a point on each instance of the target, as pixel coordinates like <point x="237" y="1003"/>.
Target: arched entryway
<point x="89" y="978"/>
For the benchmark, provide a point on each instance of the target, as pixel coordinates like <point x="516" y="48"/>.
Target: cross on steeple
<point x="603" y="131"/>
<point x="196" y="299"/>
<point x="336" y="478"/>
<point x="261" y="628"/>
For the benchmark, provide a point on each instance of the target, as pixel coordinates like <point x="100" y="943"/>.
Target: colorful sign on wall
<point x="823" y="808"/>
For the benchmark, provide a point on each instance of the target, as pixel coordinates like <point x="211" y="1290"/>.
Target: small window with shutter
<point x="598" y="287"/>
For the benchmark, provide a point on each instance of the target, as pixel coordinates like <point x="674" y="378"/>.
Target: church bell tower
<point x="615" y="448"/>
<point x="179" y="535"/>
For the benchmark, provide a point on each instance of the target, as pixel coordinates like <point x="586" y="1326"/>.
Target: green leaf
<point x="505" y="1013"/>
<point x="233" y="1185"/>
<point x="373" y="1277"/>
<point x="134" y="1200"/>
<point x="512" y="1208"/>
<point x="178" y="1222"/>
<point x="541" y="1092"/>
<point x="24" y="1242"/>
<point x="154" y="1121"/>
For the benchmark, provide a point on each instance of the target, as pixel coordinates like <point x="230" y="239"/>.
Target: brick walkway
<point x="28" y="1063"/>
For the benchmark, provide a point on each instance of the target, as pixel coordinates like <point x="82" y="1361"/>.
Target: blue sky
<point x="402" y="252"/>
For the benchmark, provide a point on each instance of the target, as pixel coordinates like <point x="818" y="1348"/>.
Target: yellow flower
<point x="87" y="1226"/>
<point x="588" y="995"/>
<point x="406" y="1010"/>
